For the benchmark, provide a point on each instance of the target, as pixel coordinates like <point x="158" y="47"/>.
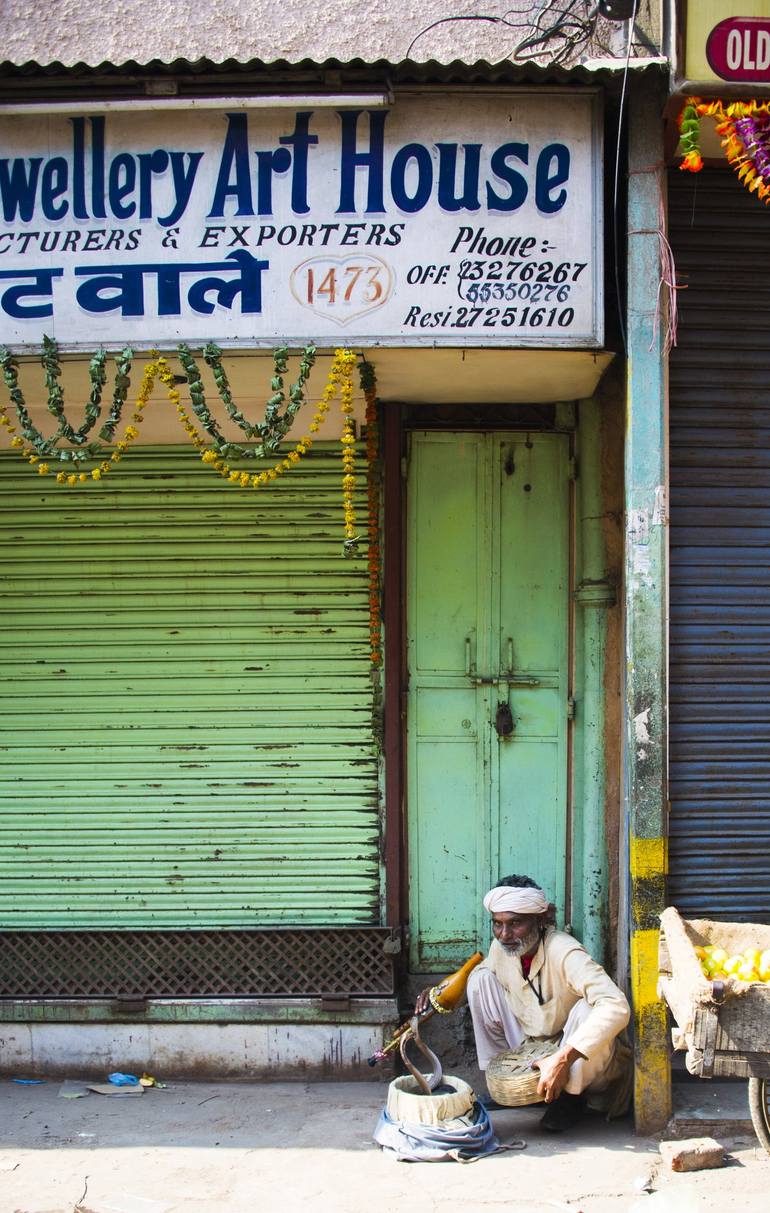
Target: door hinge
<point x="572" y="468"/>
<point x="570" y="708"/>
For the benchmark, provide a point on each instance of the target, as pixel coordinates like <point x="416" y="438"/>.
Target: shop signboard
<point x="739" y="49"/>
<point x="729" y="41"/>
<point x="469" y="218"/>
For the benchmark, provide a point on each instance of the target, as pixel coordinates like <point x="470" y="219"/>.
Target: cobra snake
<point x="426" y="1082"/>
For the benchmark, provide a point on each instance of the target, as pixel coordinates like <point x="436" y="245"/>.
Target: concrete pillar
<point x="594" y="594"/>
<point x="645" y="753"/>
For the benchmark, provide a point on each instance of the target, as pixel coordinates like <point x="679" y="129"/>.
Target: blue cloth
<point x="463" y="1139"/>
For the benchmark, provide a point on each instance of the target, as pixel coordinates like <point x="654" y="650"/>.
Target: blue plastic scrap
<point x="123" y="1080"/>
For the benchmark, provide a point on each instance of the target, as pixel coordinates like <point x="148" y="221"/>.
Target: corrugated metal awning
<point x="205" y="78"/>
<point x="183" y="79"/>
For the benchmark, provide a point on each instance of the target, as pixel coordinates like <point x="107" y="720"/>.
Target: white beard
<point x="524" y="945"/>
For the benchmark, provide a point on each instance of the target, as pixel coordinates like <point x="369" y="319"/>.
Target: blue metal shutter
<point x="720" y="551"/>
<point x="187" y="701"/>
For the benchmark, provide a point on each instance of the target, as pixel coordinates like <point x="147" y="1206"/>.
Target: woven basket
<point x="408" y="1104"/>
<point x="510" y="1077"/>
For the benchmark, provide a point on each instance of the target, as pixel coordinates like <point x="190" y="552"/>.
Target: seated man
<point x="540" y="982"/>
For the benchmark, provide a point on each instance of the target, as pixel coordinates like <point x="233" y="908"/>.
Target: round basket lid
<point x="510" y="1077"/>
<point x="517" y="1063"/>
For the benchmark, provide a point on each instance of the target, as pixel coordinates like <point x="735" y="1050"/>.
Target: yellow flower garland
<point x="369" y="385"/>
<point x="340" y="381"/>
<point x="73" y="479"/>
<point x="349" y="462"/>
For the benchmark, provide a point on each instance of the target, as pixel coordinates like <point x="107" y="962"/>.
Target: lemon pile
<point x="751" y="965"/>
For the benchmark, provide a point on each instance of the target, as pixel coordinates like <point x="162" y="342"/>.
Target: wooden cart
<point x="724" y="1026"/>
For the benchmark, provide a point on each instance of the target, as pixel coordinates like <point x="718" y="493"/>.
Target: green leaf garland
<point x="122" y="384"/>
<point x="279" y="414"/>
<point x="280" y="410"/>
<point x="79" y="451"/>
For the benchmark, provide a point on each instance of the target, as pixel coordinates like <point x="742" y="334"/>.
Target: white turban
<point x="506" y="900"/>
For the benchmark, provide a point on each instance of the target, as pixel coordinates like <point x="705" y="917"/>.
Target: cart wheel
<point x="759" y="1106"/>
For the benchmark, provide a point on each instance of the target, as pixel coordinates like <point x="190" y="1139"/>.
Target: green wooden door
<point x="487" y="600"/>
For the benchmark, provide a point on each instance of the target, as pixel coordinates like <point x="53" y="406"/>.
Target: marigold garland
<point x="348" y="442"/>
<point x="369" y="388"/>
<point x="73" y="479"/>
<point x="689" y="137"/>
<point x="745" y="130"/>
<point x="279" y="415"/>
<point x="47" y="448"/>
<point x="340" y="381"/>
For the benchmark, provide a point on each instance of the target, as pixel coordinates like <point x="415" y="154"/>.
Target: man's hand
<point x="554" y="1072"/>
<point x="423" y="1001"/>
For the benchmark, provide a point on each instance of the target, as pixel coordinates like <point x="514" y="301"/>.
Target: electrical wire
<point x="555" y="32"/>
<point x="447" y="20"/>
<point x="616" y="182"/>
<point x="561" y="19"/>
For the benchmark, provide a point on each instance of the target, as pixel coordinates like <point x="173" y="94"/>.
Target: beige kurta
<point x="564" y="973"/>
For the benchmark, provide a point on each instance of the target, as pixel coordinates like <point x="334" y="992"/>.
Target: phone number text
<point x="490" y="317"/>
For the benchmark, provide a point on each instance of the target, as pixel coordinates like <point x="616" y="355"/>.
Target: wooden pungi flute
<point x="444" y="998"/>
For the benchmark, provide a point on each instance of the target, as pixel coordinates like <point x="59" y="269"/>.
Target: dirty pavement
<point x="285" y="1147"/>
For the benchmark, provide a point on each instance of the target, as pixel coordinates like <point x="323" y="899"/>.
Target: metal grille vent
<point x="196" y="964"/>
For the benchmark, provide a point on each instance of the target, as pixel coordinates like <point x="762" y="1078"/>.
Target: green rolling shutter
<point x="187" y="701"/>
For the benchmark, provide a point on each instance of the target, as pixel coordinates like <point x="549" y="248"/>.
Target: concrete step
<point x="709" y="1107"/>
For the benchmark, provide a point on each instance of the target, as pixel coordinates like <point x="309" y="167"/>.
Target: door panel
<point x="533" y="622"/>
<point x="487" y="600"/>
<point x="445" y="575"/>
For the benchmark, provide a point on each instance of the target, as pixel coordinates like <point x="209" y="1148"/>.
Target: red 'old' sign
<point x="739" y="49"/>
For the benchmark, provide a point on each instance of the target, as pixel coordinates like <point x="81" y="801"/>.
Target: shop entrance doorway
<point x="487" y="677"/>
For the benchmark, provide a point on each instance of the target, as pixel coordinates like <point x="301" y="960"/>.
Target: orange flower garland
<point x="745" y="130"/>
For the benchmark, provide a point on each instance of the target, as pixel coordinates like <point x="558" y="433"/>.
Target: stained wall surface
<point x="68" y="32"/>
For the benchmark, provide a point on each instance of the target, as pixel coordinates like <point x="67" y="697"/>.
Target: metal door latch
<point x="493" y="680"/>
<point x="511" y="680"/>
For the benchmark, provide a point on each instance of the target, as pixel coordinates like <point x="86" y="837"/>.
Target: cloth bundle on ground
<point x="448" y="1124"/>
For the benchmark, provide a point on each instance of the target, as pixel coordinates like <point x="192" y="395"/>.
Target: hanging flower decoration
<point x="369" y="388"/>
<point x="47" y="448"/>
<point x="689" y="137"/>
<point x="348" y="441"/>
<point x="129" y="435"/>
<point x="339" y="383"/>
<point x="279" y="414"/>
<point x="745" y="130"/>
<point x="41" y="449"/>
